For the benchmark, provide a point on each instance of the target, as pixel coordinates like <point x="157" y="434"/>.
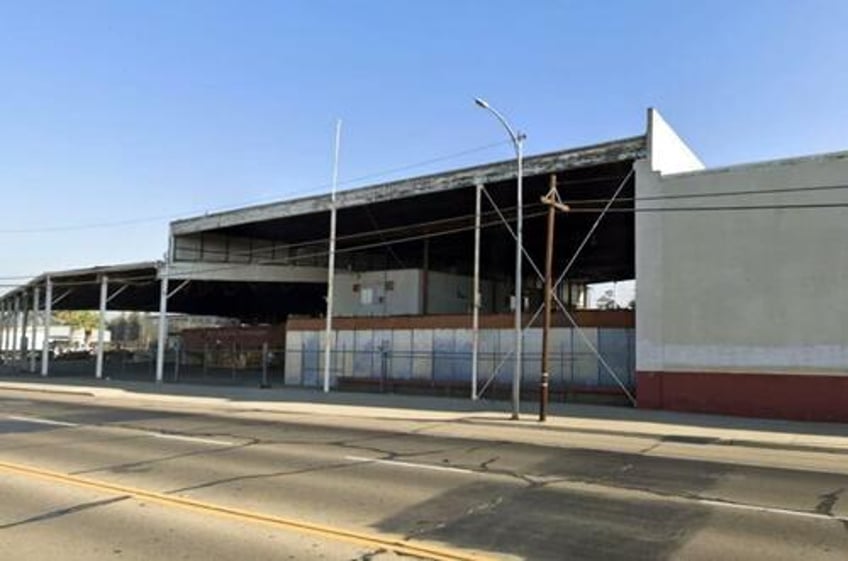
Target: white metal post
<point x="331" y="267"/>
<point x="516" y="376"/>
<point x="163" y="324"/>
<point x="7" y="327"/>
<point x="3" y="325"/>
<point x="24" y="343"/>
<point x="101" y="326"/>
<point x="475" y="318"/>
<point x="10" y="329"/>
<point x="33" y="330"/>
<point x="517" y="139"/>
<point x="48" y="319"/>
<point x="16" y="308"/>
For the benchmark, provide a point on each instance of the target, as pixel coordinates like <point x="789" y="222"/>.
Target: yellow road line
<point x="381" y="541"/>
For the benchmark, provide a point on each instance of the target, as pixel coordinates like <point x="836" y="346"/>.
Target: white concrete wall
<point x="400" y="292"/>
<point x="391" y="293"/>
<point x="667" y="152"/>
<point x="755" y="290"/>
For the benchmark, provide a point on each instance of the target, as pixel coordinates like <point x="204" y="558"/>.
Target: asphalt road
<point x="83" y="481"/>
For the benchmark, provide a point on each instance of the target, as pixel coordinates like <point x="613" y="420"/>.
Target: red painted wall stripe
<point x="808" y="397"/>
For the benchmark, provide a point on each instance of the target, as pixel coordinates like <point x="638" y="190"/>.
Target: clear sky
<point x="136" y="112"/>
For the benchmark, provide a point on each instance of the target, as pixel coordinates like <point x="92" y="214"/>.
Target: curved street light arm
<point x="516" y="137"/>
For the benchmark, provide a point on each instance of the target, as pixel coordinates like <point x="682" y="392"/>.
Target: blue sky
<point x="141" y="111"/>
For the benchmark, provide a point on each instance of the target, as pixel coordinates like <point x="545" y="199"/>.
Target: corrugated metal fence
<point x="445" y="356"/>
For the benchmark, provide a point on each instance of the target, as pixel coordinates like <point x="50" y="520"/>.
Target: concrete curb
<point x="675" y="438"/>
<point x="399" y="412"/>
<point x="48" y="391"/>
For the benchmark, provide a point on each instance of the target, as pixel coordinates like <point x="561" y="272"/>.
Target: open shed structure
<point x="404" y="249"/>
<point x="740" y="276"/>
<point x="409" y="249"/>
<point x="424" y="223"/>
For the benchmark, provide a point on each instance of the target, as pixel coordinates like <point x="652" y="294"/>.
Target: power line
<point x="576" y="209"/>
<point x="317" y="254"/>
<point x="391" y="171"/>
<point x="734" y="193"/>
<point x="302" y="192"/>
<point x="717" y="208"/>
<point x="465" y="228"/>
<point x="460" y="229"/>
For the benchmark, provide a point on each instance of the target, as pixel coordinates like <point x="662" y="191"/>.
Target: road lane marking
<point x="396" y="544"/>
<point x="772" y="510"/>
<point x="40" y="421"/>
<point x="411" y="465"/>
<point x="186" y="438"/>
<point x="165" y="435"/>
<point x="707" y="502"/>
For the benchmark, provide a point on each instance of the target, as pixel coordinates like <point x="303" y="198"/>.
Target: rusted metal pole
<point x="554" y="204"/>
<point x="544" y="380"/>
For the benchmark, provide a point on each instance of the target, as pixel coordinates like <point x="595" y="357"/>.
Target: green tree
<point x="85" y="320"/>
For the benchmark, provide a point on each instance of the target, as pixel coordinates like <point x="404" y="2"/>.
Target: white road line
<point x="190" y="438"/>
<point x="772" y="510"/>
<point x="706" y="502"/>
<point x="411" y="465"/>
<point x="167" y="436"/>
<point x="41" y="421"/>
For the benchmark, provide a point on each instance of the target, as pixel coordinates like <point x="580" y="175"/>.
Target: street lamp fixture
<point x="517" y="139"/>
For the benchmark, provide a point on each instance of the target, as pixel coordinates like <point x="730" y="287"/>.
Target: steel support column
<point x="3" y="328"/>
<point x="519" y="295"/>
<point x="24" y="342"/>
<point x="475" y="318"/>
<point x="101" y="326"/>
<point x="16" y="309"/>
<point x="331" y="267"/>
<point x="48" y="319"/>
<point x="163" y="324"/>
<point x="33" y="359"/>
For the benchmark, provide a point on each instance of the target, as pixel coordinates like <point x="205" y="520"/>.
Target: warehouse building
<point x="739" y="278"/>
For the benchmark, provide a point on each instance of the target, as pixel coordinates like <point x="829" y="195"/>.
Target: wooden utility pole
<point x="554" y="203"/>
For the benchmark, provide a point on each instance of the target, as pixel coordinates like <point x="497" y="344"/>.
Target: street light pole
<point x="331" y="265"/>
<point x="517" y="139"/>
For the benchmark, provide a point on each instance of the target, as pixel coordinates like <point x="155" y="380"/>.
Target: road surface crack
<point x="254" y="476"/>
<point x="369" y="555"/>
<point x="130" y="466"/>
<point x="828" y="501"/>
<point x="63" y="512"/>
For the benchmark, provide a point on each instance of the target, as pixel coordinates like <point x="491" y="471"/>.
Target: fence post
<point x="233" y="359"/>
<point x="177" y="354"/>
<point x="205" y="354"/>
<point x="264" y="384"/>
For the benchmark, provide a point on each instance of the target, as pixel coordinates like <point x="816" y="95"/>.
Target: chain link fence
<point x="436" y="362"/>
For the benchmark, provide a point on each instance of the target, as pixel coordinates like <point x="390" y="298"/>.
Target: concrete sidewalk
<point x="625" y="422"/>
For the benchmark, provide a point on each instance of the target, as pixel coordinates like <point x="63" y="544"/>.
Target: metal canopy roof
<point x="437" y="207"/>
<point x="79" y="289"/>
<point x="587" y="156"/>
<point x="392" y="225"/>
